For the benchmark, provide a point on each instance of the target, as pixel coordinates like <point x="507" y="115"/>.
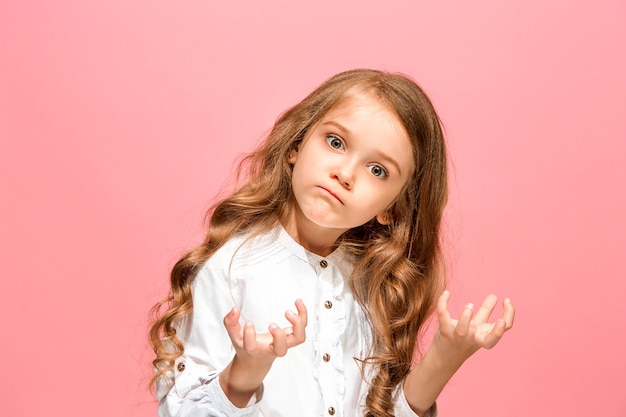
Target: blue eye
<point x="334" y="142"/>
<point x="378" y="171"/>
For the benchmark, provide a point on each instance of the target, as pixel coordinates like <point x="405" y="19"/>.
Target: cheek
<point x="298" y="175"/>
<point x="391" y="195"/>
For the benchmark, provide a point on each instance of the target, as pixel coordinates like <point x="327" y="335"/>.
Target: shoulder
<point x="250" y="249"/>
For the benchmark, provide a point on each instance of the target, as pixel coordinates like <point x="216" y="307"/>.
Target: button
<point x="326" y="357"/>
<point x="323" y="263"/>
<point x="328" y="304"/>
<point x="331" y="411"/>
<point x="180" y="367"/>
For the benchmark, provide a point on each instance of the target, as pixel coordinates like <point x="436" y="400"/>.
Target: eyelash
<point x="382" y="169"/>
<point x="332" y="138"/>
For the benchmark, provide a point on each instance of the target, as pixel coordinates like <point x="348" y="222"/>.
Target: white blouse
<point x="264" y="276"/>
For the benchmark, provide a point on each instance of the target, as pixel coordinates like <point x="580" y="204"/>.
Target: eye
<point x="378" y="171"/>
<point x="334" y="142"/>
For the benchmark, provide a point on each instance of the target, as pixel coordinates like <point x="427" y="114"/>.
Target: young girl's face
<point x="351" y="165"/>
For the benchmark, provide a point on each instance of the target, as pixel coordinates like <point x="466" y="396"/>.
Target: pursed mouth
<point x="333" y="194"/>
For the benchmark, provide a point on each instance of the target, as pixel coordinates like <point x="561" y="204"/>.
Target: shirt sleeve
<point x="208" y="400"/>
<point x="191" y="388"/>
<point x="403" y="409"/>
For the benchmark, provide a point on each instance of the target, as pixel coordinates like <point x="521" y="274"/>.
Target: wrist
<point x="249" y="371"/>
<point x="429" y="376"/>
<point x="241" y="379"/>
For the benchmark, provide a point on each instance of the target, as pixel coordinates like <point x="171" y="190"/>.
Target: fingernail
<point x="507" y="300"/>
<point x="446" y="293"/>
<point x="470" y="306"/>
<point x="273" y="326"/>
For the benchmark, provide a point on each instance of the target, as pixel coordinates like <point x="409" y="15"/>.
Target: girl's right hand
<point x="255" y="353"/>
<point x="265" y="347"/>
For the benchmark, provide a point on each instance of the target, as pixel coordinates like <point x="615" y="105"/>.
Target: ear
<point x="384" y="218"/>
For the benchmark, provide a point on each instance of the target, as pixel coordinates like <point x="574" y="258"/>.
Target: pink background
<point x="120" y="120"/>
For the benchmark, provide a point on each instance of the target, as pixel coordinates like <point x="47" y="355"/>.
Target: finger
<point x="299" y="321"/>
<point x="302" y="311"/>
<point x="443" y="315"/>
<point x="462" y="327"/>
<point x="231" y="322"/>
<point x="249" y="337"/>
<point x="485" y="310"/>
<point x="279" y="340"/>
<point x="494" y="336"/>
<point x="296" y="333"/>
<point x="509" y="314"/>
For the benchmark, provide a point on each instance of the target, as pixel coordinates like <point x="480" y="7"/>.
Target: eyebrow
<point x="378" y="152"/>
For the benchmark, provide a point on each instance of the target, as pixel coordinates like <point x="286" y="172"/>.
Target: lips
<point x="332" y="194"/>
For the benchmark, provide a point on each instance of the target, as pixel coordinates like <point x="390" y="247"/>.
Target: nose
<point x="344" y="175"/>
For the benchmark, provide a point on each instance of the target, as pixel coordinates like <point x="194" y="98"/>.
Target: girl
<point x="338" y="220"/>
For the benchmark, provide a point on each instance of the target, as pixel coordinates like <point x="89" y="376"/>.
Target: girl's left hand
<point x="458" y="339"/>
<point x="455" y="341"/>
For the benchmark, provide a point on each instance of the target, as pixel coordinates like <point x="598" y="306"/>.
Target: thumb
<point x="231" y="322"/>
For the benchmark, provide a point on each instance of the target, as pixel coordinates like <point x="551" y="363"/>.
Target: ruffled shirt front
<point x="264" y="276"/>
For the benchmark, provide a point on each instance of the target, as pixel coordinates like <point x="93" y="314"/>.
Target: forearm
<point x="455" y="342"/>
<point x="240" y="380"/>
<point x="426" y="380"/>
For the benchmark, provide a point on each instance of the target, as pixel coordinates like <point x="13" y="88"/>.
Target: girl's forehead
<point x="353" y="101"/>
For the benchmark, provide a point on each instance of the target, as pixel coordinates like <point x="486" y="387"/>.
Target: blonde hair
<point x="396" y="276"/>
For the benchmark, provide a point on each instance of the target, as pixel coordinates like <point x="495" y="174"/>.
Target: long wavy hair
<point x="397" y="267"/>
